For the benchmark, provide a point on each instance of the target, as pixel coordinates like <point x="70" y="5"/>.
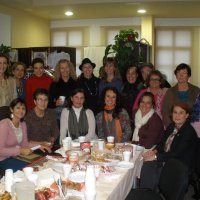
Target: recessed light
<point x="69" y="13"/>
<point x="141" y="11"/>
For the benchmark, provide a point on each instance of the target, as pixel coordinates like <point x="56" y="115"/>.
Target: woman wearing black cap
<point x="89" y="83"/>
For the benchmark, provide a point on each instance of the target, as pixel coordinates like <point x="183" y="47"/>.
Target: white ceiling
<point x="92" y="9"/>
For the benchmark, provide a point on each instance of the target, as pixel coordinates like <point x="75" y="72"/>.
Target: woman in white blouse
<point x="76" y="120"/>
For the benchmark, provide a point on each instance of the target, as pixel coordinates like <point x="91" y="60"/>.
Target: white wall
<point x="95" y="25"/>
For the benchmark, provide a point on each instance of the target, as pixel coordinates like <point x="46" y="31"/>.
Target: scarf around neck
<point x="140" y="121"/>
<point x="112" y="128"/>
<point x="78" y="127"/>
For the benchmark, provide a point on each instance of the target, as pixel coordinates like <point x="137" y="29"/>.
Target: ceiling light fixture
<point x="141" y="11"/>
<point x="69" y="13"/>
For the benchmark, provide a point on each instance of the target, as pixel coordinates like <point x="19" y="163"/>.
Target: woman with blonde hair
<point x="110" y="76"/>
<point x="64" y="83"/>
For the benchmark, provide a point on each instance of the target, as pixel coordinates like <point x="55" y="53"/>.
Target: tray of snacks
<point x="120" y="148"/>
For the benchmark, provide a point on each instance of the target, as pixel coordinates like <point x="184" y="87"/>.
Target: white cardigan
<point x="64" y="125"/>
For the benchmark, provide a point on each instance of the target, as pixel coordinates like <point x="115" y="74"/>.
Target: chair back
<point x="4" y="112"/>
<point x="174" y="180"/>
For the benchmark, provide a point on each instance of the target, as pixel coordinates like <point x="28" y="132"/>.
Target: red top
<point x="34" y="83"/>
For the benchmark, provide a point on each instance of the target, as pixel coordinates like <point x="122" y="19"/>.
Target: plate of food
<point x="77" y="177"/>
<point x="70" y="185"/>
<point x="100" y="158"/>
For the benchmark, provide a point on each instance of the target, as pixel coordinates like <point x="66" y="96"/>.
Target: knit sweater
<point x="42" y="128"/>
<point x="172" y="97"/>
<point x="8" y="140"/>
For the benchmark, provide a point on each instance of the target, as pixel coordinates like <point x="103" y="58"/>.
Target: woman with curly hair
<point x="113" y="120"/>
<point x="63" y="85"/>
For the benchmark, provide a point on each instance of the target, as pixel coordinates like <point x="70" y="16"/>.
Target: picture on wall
<point x="13" y="55"/>
<point x="42" y="55"/>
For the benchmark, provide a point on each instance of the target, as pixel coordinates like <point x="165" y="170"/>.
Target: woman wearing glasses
<point x="154" y="82"/>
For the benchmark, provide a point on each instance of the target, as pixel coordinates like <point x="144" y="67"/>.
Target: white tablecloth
<point x="118" y="185"/>
<point x="114" y="186"/>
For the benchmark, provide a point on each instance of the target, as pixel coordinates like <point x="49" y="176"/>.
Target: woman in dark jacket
<point x="63" y="85"/>
<point x="179" y="142"/>
<point x="132" y="87"/>
<point x="90" y="84"/>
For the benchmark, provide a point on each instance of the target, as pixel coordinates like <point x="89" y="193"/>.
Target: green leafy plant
<point x="5" y="49"/>
<point x="125" y="49"/>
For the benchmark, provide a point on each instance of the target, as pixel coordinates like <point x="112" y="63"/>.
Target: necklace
<point x="20" y="89"/>
<point x="88" y="88"/>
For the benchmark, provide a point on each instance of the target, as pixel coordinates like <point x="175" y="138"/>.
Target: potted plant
<point x="5" y="49"/>
<point x="125" y="49"/>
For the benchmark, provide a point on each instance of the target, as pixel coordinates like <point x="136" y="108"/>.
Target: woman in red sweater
<point x="38" y="80"/>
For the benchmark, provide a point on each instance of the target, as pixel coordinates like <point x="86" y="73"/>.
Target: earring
<point x="11" y="115"/>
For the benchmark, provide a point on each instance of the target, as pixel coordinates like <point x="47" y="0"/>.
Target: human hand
<point x="44" y="148"/>
<point x="47" y="144"/>
<point x="25" y="151"/>
<point x="59" y="102"/>
<point x="148" y="155"/>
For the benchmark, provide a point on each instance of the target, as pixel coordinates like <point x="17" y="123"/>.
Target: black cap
<point x="85" y="61"/>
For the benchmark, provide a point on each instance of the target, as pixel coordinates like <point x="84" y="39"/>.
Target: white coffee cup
<point x="67" y="143"/>
<point x="62" y="98"/>
<point x="126" y="156"/>
<point x="9" y="179"/>
<point x="81" y="139"/>
<point x="101" y="144"/>
<point x="66" y="170"/>
<point x="110" y="139"/>
<point x="33" y="178"/>
<point x="28" y="171"/>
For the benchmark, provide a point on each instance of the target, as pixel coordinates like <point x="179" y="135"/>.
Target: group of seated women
<point x="97" y="108"/>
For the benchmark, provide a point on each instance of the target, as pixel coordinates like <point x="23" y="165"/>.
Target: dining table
<point x="109" y="186"/>
<point x="118" y="185"/>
